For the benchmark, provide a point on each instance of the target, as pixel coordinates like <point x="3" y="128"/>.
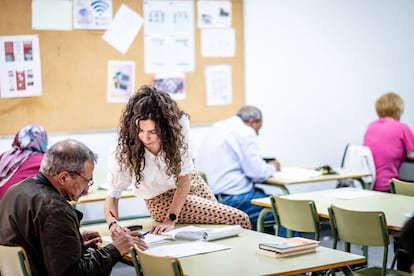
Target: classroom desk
<point x="395" y="207"/>
<point x="342" y="174"/>
<point x="99" y="195"/>
<point x="242" y="259"/>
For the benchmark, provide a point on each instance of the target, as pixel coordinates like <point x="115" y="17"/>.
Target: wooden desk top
<point x="395" y="207"/>
<point x="242" y="259"/>
<point x="100" y="195"/>
<point x="342" y="174"/>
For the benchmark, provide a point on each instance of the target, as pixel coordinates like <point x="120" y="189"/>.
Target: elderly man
<point x="230" y="157"/>
<point x="37" y="216"/>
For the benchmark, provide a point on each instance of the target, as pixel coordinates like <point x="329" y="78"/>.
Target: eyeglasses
<point x="90" y="182"/>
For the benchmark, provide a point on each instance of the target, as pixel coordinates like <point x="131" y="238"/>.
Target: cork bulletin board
<point x="74" y="74"/>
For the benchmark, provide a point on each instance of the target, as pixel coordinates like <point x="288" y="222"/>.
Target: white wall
<point x="315" y="68"/>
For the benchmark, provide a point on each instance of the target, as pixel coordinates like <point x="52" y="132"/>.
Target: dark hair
<point x="67" y="155"/>
<point x="406" y="239"/>
<point x="148" y="103"/>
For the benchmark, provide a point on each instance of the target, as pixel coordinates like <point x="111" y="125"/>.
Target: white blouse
<point x="155" y="180"/>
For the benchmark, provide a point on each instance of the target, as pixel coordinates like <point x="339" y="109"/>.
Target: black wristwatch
<point x="172" y="217"/>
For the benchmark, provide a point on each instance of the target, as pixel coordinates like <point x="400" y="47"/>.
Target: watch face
<point x="172" y="216"/>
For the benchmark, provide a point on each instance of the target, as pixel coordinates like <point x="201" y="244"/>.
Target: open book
<point x="296" y="173"/>
<point x="204" y="234"/>
<point x="289" y="245"/>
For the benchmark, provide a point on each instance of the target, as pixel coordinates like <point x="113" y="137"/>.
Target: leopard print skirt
<point x="200" y="207"/>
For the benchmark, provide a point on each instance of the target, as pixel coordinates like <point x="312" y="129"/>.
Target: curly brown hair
<point x="148" y="103"/>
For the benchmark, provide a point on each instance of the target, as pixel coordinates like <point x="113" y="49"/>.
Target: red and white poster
<point x="20" y="71"/>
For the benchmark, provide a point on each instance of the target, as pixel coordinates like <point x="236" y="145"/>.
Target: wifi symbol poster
<point x="92" y="14"/>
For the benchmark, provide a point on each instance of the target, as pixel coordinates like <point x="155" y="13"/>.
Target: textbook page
<point x="296" y="173"/>
<point x="186" y="249"/>
<point x="205" y="234"/>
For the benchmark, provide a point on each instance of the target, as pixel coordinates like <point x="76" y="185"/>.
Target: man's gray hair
<point x="67" y="155"/>
<point x="249" y="112"/>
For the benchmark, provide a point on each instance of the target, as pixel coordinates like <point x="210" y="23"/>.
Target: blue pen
<point x="142" y="235"/>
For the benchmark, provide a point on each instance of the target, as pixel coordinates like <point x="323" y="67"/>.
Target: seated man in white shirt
<point x="231" y="159"/>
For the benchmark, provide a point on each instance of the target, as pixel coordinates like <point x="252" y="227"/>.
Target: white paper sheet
<point x="123" y="29"/>
<point x="169" y="36"/>
<point x="218" y="43"/>
<point x="296" y="173"/>
<point x="186" y="249"/>
<point x="219" y="86"/>
<point x="350" y="194"/>
<point x="52" y="15"/>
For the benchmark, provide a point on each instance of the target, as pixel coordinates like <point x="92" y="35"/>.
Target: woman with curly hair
<point x="153" y="153"/>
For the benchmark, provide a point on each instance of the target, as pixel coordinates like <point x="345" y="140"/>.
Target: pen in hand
<point x="115" y="220"/>
<point x="142" y="235"/>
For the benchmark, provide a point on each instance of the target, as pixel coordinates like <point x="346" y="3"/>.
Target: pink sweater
<point x="30" y="167"/>
<point x="390" y="141"/>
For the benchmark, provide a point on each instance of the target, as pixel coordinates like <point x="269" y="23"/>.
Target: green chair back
<point x="295" y="215"/>
<point x="151" y="265"/>
<point x="402" y="187"/>
<point x="366" y="228"/>
<point x="13" y="261"/>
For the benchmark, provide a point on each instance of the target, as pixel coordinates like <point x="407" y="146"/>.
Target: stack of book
<point x="287" y="247"/>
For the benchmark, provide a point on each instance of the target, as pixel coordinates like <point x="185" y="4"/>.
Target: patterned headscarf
<point x="29" y="140"/>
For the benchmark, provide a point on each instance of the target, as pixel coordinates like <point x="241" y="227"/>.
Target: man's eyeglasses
<point x="90" y="182"/>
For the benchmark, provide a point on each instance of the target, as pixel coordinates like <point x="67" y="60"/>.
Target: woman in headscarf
<point x="24" y="158"/>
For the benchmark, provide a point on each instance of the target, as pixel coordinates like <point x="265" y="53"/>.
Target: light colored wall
<point x="315" y="68"/>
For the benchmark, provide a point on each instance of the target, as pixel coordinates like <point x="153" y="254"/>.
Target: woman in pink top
<point x="389" y="140"/>
<point x="24" y="158"/>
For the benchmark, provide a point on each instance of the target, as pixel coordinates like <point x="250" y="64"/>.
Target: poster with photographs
<point x="20" y="70"/>
<point x="121" y="80"/>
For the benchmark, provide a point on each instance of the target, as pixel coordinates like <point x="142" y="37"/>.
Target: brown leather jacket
<point x="36" y="217"/>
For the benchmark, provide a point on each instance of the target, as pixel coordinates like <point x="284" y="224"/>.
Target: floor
<point x="374" y="254"/>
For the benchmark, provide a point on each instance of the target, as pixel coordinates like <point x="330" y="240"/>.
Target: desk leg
<point x="364" y="185"/>
<point x="261" y="218"/>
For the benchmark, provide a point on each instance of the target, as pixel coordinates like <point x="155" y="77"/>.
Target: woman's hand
<point x="165" y="226"/>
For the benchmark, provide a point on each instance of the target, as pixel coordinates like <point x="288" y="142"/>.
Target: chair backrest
<point x="203" y="176"/>
<point x="296" y="215"/>
<point x="13" y="261"/>
<point x="358" y="157"/>
<point x="151" y="265"/>
<point x="367" y="228"/>
<point x="402" y="187"/>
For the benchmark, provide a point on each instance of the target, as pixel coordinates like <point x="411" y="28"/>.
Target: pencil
<point x="115" y="219"/>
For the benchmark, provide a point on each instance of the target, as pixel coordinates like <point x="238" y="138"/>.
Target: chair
<point x="295" y="215"/>
<point x="151" y="265"/>
<point x="366" y="228"/>
<point x="357" y="157"/>
<point x="13" y="261"/>
<point x="203" y="176"/>
<point x="401" y="187"/>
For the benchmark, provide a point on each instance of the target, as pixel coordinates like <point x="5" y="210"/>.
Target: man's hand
<point x="276" y="164"/>
<point x="126" y="240"/>
<point x="91" y="239"/>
